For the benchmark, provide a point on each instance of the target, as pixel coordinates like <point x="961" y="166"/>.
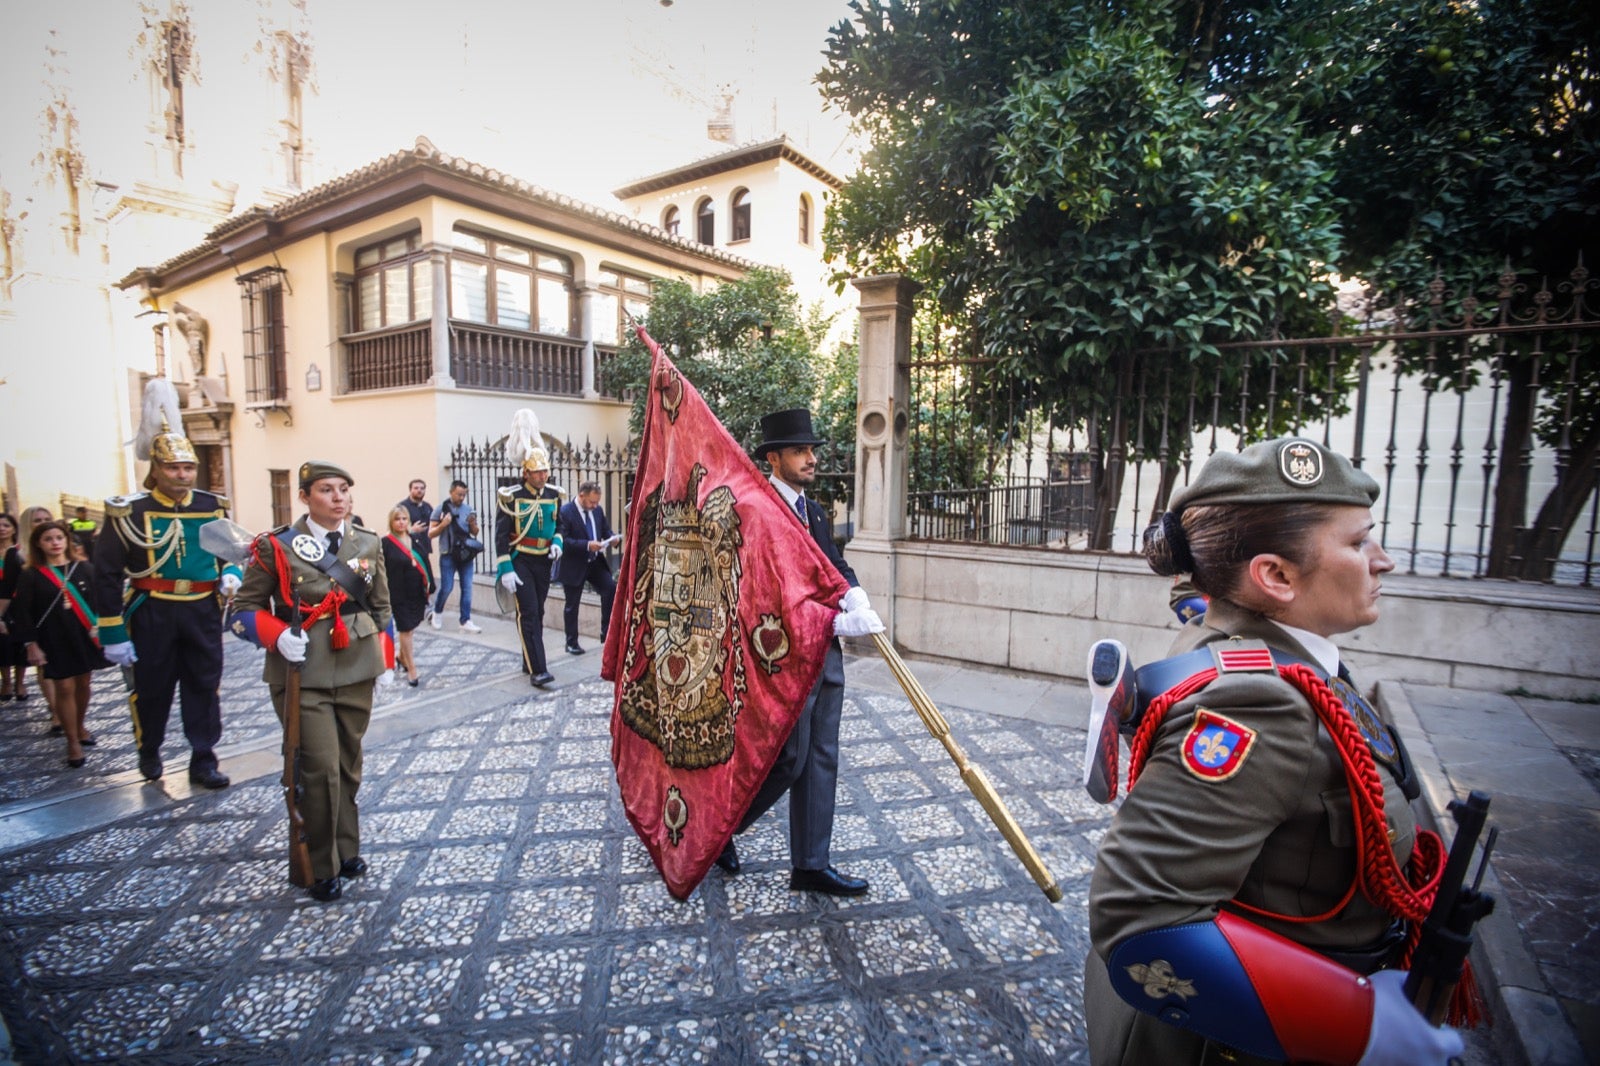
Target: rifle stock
<point x="974" y="778"/>
<point x="299" y="850"/>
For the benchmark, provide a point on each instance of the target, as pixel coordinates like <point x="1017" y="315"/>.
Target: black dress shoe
<point x="829" y="880"/>
<point x="573" y="649"/>
<point x="541" y="680"/>
<point x="325" y="891"/>
<point x="356" y="867"/>
<point x="210" y="777"/>
<point x="150" y="766"/>
<point x="75" y="763"/>
<point x="728" y="861"/>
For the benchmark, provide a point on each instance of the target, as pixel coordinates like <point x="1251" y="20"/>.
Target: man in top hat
<point x="169" y="627"/>
<point x="808" y="766"/>
<point x="527" y="541"/>
<point x="324" y="577"/>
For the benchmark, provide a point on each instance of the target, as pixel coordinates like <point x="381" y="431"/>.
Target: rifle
<point x="1447" y="932"/>
<point x="293" y="787"/>
<point x="975" y="778"/>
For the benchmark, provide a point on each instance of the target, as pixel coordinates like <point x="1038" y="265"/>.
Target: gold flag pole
<point x="975" y="779"/>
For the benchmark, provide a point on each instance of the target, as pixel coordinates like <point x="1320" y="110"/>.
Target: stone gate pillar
<point x="882" y="416"/>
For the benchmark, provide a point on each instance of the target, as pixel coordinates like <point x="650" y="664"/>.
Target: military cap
<point x="317" y="469"/>
<point x="1286" y="470"/>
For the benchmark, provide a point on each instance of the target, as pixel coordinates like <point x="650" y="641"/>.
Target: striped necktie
<point x="800" y="509"/>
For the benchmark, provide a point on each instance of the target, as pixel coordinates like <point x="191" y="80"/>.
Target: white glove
<point x="230" y="584"/>
<point x="291" y="647"/>
<point x="1401" y="1036"/>
<point x="555" y="553"/>
<point x="859" y="623"/>
<point x="385" y="679"/>
<point x="855" y="599"/>
<point x="509" y="581"/>
<point x="121" y="653"/>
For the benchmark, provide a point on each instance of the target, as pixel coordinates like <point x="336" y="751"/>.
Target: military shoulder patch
<point x="1215" y="747"/>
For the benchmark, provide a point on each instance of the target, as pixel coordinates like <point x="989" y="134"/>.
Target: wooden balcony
<point x="390" y="358"/>
<point x="506" y="360"/>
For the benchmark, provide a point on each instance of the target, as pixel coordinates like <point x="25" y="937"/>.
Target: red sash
<point x="74" y="598"/>
<point x="416" y="561"/>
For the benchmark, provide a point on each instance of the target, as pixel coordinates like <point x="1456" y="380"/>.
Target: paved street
<point x="511" y="916"/>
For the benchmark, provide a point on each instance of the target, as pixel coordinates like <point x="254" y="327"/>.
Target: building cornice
<point x="418" y="174"/>
<point x="721" y="163"/>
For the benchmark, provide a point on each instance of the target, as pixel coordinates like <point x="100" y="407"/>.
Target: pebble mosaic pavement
<point x="511" y="916"/>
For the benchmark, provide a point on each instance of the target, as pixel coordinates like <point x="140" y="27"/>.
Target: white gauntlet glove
<point x="509" y="581"/>
<point x="1401" y="1036"/>
<point x="230" y="584"/>
<point x="291" y="647"/>
<point x="855" y="599"/>
<point x="861" y="622"/>
<point x="555" y="553"/>
<point x="121" y="653"/>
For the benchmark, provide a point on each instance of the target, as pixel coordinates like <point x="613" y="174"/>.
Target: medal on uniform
<point x="308" y="547"/>
<point x="1373" y="731"/>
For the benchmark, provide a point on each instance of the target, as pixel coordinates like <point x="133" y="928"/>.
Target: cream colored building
<point x="379" y="318"/>
<point x="764" y="201"/>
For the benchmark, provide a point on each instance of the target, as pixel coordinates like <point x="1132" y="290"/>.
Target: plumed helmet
<point x="160" y="438"/>
<point x="525" y="443"/>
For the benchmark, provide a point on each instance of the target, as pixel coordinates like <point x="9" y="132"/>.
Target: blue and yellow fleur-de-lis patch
<point x="1216" y="747"/>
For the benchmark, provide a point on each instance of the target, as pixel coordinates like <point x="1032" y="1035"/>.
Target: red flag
<point x="724" y="611"/>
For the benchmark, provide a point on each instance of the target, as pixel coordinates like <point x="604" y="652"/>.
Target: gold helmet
<point x="157" y="440"/>
<point x="524" y="442"/>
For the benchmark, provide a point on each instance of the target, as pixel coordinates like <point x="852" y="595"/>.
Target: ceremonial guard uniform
<point x="168" y="624"/>
<point x="340" y="596"/>
<point x="527" y="542"/>
<point x="1242" y="894"/>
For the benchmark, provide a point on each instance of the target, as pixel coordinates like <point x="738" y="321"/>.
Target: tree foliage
<point x="1103" y="192"/>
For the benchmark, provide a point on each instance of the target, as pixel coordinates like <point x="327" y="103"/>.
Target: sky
<point x="579" y="96"/>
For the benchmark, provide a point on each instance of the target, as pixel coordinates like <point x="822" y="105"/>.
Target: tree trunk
<point x="1511" y="484"/>
<point x="1108" y="487"/>
<point x="1540" y="545"/>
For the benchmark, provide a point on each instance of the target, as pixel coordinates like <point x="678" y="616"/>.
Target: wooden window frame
<point x="413" y="255"/>
<point x="705" y="221"/>
<point x="282" y="501"/>
<point x="805" y="219"/>
<point x="671" y="220"/>
<point x="739" y="228"/>
<point x="491" y="258"/>
<point x="614" y="286"/>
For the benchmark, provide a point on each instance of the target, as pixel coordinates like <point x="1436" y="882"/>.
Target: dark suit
<point x="578" y="566"/>
<point x="808" y="766"/>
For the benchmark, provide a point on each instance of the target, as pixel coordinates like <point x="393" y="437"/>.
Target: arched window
<point x="669" y="220"/>
<point x="705" y="222"/>
<point x="740" y="215"/>
<point x="805" y="219"/>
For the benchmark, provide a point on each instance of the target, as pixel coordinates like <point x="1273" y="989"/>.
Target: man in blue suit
<point x="587" y="535"/>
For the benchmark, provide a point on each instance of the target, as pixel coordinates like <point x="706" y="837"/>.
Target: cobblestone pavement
<point x="511" y="916"/>
<point x="36" y="760"/>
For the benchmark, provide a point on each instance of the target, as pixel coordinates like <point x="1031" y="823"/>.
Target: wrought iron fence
<point x="1478" y="413"/>
<point x="485" y="469"/>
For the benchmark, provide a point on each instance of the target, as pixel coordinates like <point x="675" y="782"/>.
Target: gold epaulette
<point x="121" y="506"/>
<point x="223" y="504"/>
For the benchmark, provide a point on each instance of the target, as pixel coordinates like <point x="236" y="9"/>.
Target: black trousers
<point x="597" y="575"/>
<point x="179" y="644"/>
<point x="534" y="570"/>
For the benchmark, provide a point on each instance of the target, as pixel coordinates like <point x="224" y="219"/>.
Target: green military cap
<point x="1286" y="470"/>
<point x="317" y="469"/>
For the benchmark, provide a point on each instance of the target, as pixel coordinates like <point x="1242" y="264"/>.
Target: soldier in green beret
<point x="1255" y="889"/>
<point x="315" y="595"/>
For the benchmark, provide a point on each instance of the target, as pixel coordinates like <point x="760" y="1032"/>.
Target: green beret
<point x="1286" y="470"/>
<point x="317" y="469"/>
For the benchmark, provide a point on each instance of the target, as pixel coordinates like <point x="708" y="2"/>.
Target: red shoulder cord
<point x="1401" y="893"/>
<point x="309" y="614"/>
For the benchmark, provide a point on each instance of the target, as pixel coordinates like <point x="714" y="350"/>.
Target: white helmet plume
<point x="524" y="437"/>
<point x="160" y="402"/>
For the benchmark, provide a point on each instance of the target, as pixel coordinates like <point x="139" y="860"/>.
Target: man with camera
<point x="455" y="527"/>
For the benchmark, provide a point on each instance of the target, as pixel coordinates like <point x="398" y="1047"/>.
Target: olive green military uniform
<point x="335" y="683"/>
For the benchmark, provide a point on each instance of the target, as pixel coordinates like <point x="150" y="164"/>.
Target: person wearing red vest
<point x="1259" y="888"/>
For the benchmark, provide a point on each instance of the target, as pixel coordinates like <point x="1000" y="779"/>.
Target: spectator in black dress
<point x="410" y="585"/>
<point x="31" y="518"/>
<point x="57" y="626"/>
<point x="13" y="659"/>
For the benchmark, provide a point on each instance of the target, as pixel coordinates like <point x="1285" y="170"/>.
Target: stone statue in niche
<point x="196" y="332"/>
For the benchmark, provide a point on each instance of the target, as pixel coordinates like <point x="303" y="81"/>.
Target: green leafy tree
<point x="1101" y="193"/>
<point x="1469" y="147"/>
<point x="748" y="346"/>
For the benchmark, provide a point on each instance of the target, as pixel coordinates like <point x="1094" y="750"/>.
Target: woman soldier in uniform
<point x="1232" y="916"/>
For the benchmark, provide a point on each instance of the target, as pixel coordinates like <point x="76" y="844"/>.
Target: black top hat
<point x="785" y="429"/>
